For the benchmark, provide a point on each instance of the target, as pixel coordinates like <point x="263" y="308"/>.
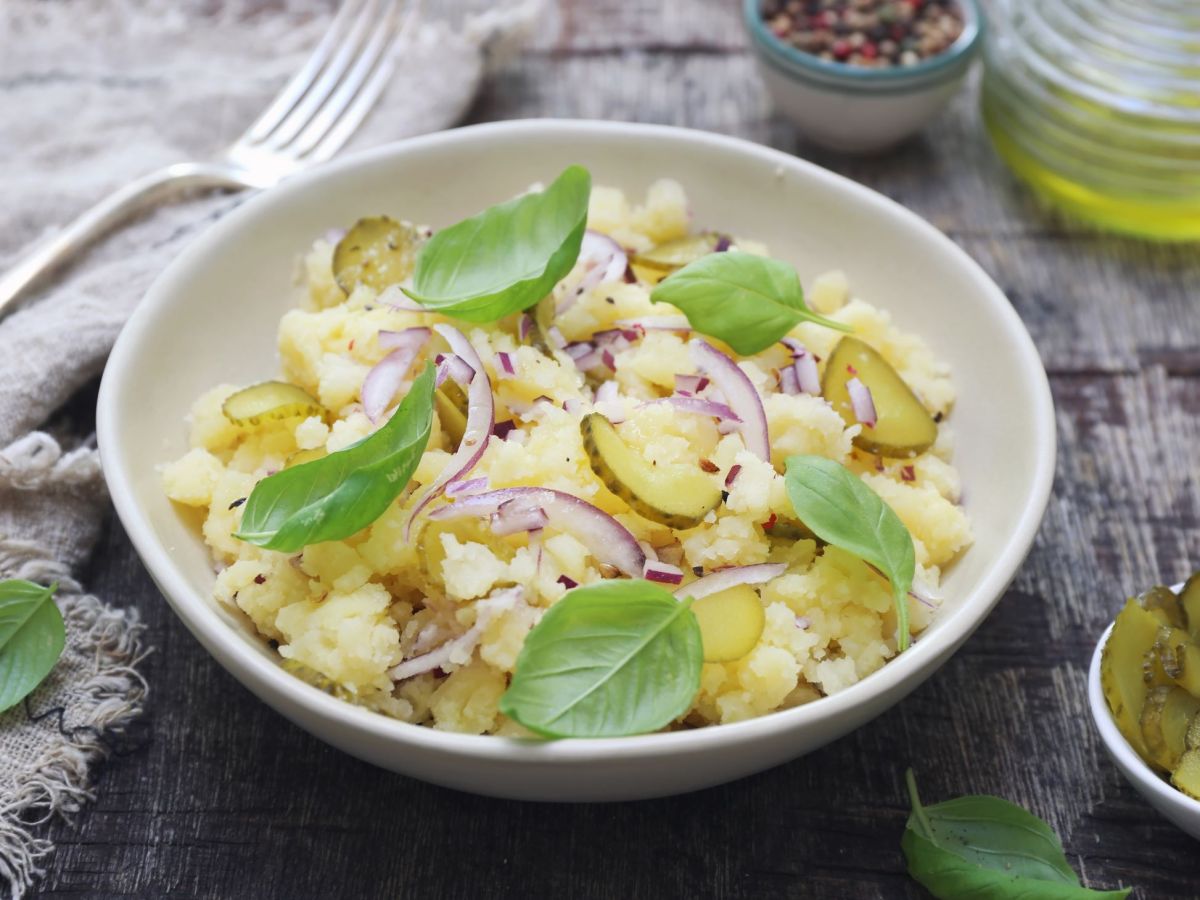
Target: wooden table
<point x="220" y="797"/>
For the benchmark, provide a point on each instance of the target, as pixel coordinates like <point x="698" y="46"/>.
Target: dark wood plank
<point x="225" y="799"/>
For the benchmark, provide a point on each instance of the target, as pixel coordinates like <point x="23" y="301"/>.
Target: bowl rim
<point x="1135" y="769"/>
<point x="859" y="78"/>
<point x="269" y="680"/>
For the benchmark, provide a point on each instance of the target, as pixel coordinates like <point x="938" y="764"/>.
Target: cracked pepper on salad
<point x="572" y="468"/>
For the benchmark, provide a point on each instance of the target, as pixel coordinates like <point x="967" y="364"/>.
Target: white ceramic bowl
<point x="855" y="109"/>
<point x="1175" y="805"/>
<point x="212" y="317"/>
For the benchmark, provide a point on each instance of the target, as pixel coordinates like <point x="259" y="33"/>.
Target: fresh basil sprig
<point x="986" y="848"/>
<point x="611" y="659"/>
<point x="509" y="256"/>
<point x="32" y="637"/>
<point x="840" y="509"/>
<point x="747" y="301"/>
<point x="337" y="495"/>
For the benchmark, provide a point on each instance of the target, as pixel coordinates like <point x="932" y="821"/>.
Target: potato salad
<point x="575" y="467"/>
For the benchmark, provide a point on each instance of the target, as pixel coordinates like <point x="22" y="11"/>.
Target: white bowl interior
<point x="213" y="317"/>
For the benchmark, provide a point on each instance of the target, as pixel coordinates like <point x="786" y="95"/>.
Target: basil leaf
<point x="841" y="510"/>
<point x="615" y="658"/>
<point x="508" y="257"/>
<point x="32" y="637"/>
<point x="747" y="301"/>
<point x="337" y="495"/>
<point x="985" y="848"/>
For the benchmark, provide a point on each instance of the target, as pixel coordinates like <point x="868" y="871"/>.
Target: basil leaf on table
<point x="840" y="509"/>
<point x="985" y="848"/>
<point x="509" y="256"/>
<point x="337" y="495"/>
<point x="747" y="301"/>
<point x="32" y="637"/>
<point x="611" y="659"/>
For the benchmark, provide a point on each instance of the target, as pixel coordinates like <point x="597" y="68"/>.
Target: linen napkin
<point x="94" y="93"/>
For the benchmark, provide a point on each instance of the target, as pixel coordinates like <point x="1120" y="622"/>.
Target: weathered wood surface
<point x="220" y="797"/>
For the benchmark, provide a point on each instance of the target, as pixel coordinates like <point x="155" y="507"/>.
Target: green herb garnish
<point x="839" y="508"/>
<point x="986" y="848"/>
<point x="747" y="301"/>
<point x="331" y="498"/>
<point x="610" y="659"/>
<point x="32" y="637"/>
<point x="509" y="256"/>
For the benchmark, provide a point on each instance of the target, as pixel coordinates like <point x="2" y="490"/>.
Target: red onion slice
<point x="690" y="385"/>
<point x="734" y="472"/>
<point x="380" y="386"/>
<point x="606" y="539"/>
<point x="461" y="647"/>
<point x="481" y="418"/>
<point x="862" y="402"/>
<point x="516" y="515"/>
<point x="804" y="364"/>
<point x="607" y="392"/>
<point x="524" y="327"/>
<point x="727" y="578"/>
<point x="739" y="392"/>
<point x="455" y="368"/>
<point x="394" y="340"/>
<point x="662" y="572"/>
<point x="788" y="382"/>
<point x="602" y="260"/>
<point x="462" y="488"/>
<point x="506" y="367"/>
<point x="699" y="406"/>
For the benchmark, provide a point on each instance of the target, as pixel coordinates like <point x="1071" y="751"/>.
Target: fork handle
<point x="117" y="207"/>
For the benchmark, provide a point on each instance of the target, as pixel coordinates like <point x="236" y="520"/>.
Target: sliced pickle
<point x="1133" y="635"/>
<point x="1180" y="658"/>
<point x="1186" y="776"/>
<point x="678" y="253"/>
<point x="377" y="252"/>
<point x="1164" y="599"/>
<point x="1165" y="720"/>
<point x="731" y="622"/>
<point x="269" y="401"/>
<point x="904" y="427"/>
<point x="450" y="413"/>
<point x="678" y="496"/>
<point x="1189" y="601"/>
<point x="300" y="457"/>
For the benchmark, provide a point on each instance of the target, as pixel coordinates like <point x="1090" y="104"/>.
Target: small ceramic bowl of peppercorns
<point x="862" y="75"/>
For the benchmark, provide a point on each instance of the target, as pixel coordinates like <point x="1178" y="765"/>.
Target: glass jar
<point x="1096" y="104"/>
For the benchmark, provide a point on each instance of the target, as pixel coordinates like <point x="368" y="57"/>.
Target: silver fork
<point x="307" y="122"/>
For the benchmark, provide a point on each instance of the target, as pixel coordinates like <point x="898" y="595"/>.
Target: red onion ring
<point x="699" y="406"/>
<point x="602" y="259"/>
<point x="606" y="539"/>
<point x="662" y="572"/>
<point x="740" y="394"/>
<point x="727" y="578"/>
<point x="380" y="386"/>
<point x="481" y="418"/>
<point x="690" y="385"/>
<point x="486" y="610"/>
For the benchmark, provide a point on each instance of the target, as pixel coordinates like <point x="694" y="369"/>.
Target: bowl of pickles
<point x="1144" y="690"/>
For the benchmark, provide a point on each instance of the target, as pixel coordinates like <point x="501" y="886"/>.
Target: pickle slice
<point x="678" y="253"/>
<point x="678" y="496"/>
<point x="1134" y="634"/>
<point x="269" y="401"/>
<point x="1180" y="658"/>
<point x="904" y="427"/>
<point x="1186" y="776"/>
<point x="1189" y="602"/>
<point x="1165" y="720"/>
<point x="731" y="622"/>
<point x="450" y="413"/>
<point x="1163" y="602"/>
<point x="377" y="252"/>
